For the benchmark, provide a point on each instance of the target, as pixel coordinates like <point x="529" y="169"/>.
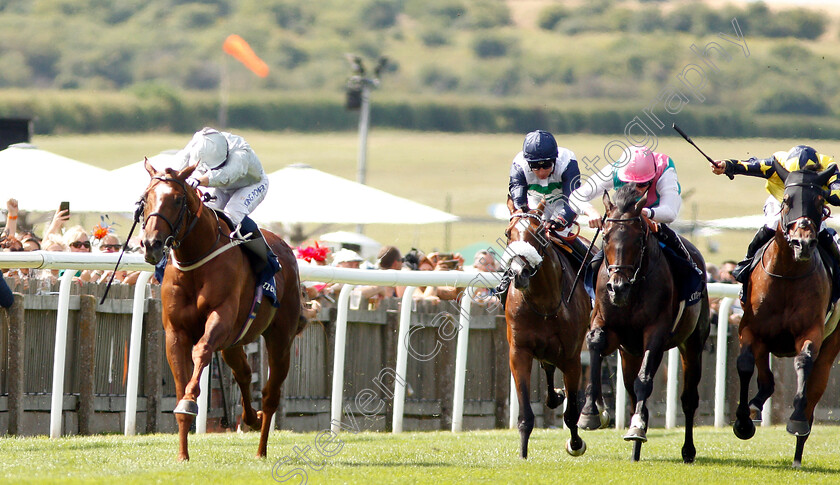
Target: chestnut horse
<point x="540" y="324"/>
<point x="785" y="310"/>
<point x="207" y="303"/>
<point x="638" y="311"/>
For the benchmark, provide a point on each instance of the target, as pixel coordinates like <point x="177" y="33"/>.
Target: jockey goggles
<point x="541" y="164"/>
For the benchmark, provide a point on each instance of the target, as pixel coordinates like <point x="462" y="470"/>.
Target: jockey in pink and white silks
<point x="234" y="178"/>
<point x="648" y="170"/>
<point x="643" y="167"/>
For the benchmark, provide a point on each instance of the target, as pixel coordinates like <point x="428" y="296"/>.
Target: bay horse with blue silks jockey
<point x="785" y="307"/>
<point x="544" y="322"/>
<point x="638" y="310"/>
<point x="208" y="294"/>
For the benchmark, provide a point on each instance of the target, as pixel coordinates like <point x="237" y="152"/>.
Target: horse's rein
<point x="172" y="241"/>
<point x="615" y="268"/>
<point x="543" y="245"/>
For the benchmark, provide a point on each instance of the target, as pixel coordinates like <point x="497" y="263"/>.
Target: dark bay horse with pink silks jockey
<point x="639" y="311"/>
<point x="785" y="309"/>
<point x="207" y="302"/>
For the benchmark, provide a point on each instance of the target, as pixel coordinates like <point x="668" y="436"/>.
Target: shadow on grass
<point x="749" y="463"/>
<point x="394" y="464"/>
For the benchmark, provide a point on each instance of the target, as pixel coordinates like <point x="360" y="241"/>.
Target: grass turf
<point x="422" y="457"/>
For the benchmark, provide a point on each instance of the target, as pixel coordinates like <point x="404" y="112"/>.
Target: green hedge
<point x="62" y="112"/>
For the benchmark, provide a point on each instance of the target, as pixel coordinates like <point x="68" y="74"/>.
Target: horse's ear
<point x="781" y="171"/>
<point x="640" y="204"/>
<point x="541" y="205"/>
<point x="608" y="205"/>
<point x="186" y="172"/>
<point x="825" y="175"/>
<point x="149" y="167"/>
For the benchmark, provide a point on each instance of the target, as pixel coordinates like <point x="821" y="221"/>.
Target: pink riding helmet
<point x="637" y="165"/>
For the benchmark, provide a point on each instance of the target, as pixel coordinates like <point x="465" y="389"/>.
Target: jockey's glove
<point x="193" y="182"/>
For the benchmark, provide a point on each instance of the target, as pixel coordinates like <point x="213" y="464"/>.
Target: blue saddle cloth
<point x="688" y="277"/>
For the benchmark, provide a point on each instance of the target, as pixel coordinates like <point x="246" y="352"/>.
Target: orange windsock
<point x="239" y="49"/>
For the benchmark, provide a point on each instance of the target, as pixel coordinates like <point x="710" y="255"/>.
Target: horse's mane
<point x="626" y="197"/>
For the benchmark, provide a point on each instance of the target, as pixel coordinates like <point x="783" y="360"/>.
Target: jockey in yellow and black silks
<point x="797" y="158"/>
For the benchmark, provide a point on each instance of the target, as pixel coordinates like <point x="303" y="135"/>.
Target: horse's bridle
<point x="785" y="219"/>
<point x="615" y="268"/>
<point x="541" y="251"/>
<point x="172" y="241"/>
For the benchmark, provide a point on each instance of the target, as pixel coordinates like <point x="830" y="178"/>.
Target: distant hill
<point x="536" y="52"/>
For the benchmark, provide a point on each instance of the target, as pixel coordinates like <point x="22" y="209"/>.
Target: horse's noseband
<point x="635" y="268"/>
<point x="171" y="240"/>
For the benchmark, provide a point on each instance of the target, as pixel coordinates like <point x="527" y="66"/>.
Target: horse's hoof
<point x="589" y="422"/>
<point x="636" y="434"/>
<point x="755" y="413"/>
<point x="798" y="428"/>
<point x="577" y="452"/>
<point x="605" y="418"/>
<point x="797" y="464"/>
<point x="688" y="454"/>
<point x="186" y="406"/>
<point x="258" y="426"/>
<point x="556" y="399"/>
<point x="744" y="429"/>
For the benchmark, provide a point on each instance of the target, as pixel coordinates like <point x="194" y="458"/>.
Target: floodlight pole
<point x="364" y="124"/>
<point x="361" y="86"/>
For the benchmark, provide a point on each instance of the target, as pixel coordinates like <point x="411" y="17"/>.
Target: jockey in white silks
<point x="235" y="180"/>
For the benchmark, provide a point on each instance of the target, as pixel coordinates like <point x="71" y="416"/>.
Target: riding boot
<point x="579" y="250"/>
<point x="826" y="241"/>
<point x="763" y="236"/>
<point x="672" y="241"/>
<point x="255" y="244"/>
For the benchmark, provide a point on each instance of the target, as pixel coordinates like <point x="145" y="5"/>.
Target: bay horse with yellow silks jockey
<point x="547" y="318"/>
<point x="785" y="306"/>
<point x="641" y="310"/>
<point x="209" y="298"/>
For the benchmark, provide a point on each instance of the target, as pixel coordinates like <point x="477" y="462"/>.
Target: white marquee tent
<point x="131" y="180"/>
<point x="41" y="180"/>
<point x="302" y="194"/>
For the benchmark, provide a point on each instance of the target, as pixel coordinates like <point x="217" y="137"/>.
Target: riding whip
<point x="138" y="212"/>
<point x="688" y="139"/>
<point x="585" y="257"/>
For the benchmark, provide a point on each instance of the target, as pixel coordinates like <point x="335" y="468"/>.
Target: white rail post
<point x="720" y="361"/>
<point x="402" y="360"/>
<point x="338" y="360"/>
<point x="461" y="363"/>
<point x="767" y="410"/>
<point x="514" y="404"/>
<point x="60" y="353"/>
<point x="134" y="349"/>
<point x="672" y="387"/>
<point x="620" y="393"/>
<point x="203" y="399"/>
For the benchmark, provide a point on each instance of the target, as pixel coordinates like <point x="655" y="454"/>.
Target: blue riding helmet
<point x="804" y="154"/>
<point x="539" y="146"/>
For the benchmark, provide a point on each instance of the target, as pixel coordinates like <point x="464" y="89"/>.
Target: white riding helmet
<point x="210" y="147"/>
